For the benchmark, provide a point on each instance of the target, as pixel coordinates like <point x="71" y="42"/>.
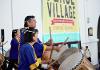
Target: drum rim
<point x="75" y="65"/>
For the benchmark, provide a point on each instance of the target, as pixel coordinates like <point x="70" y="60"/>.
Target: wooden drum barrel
<point x="74" y="61"/>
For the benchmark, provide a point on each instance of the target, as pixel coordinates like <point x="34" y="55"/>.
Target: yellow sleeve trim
<point x="39" y="60"/>
<point x="33" y="66"/>
<point x="44" y="47"/>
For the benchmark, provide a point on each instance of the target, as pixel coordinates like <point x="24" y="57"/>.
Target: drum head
<point x="73" y="58"/>
<point x="65" y="53"/>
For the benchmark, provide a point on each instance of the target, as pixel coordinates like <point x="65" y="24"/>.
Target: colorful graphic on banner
<point x="61" y="16"/>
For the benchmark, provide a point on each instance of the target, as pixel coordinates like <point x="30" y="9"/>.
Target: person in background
<point x="13" y="56"/>
<point x="87" y="53"/>
<point x="27" y="56"/>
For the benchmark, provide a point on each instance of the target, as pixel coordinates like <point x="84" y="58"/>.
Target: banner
<point x="61" y="16"/>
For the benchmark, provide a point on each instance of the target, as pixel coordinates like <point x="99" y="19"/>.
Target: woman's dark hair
<point x="14" y="33"/>
<point x="27" y="18"/>
<point x="29" y="34"/>
<point x="25" y="24"/>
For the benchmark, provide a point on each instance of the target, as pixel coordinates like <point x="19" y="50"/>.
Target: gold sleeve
<point x="39" y="60"/>
<point x="44" y="47"/>
<point x="33" y="66"/>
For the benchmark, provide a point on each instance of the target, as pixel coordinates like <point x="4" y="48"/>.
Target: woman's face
<point x="32" y="23"/>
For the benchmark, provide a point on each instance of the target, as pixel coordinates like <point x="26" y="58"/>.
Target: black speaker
<point x="2" y="35"/>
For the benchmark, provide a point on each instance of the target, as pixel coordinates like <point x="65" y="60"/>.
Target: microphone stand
<point x="2" y="48"/>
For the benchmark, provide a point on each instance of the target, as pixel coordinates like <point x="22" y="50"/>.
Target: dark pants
<point x="12" y="64"/>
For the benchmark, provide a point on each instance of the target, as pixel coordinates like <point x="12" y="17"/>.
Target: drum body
<point x="85" y="65"/>
<point x="72" y="59"/>
<point x="65" y="53"/>
<point x="69" y="55"/>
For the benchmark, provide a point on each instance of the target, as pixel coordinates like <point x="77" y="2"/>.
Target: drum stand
<point x="85" y="65"/>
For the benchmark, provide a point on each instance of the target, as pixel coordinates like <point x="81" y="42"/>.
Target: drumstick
<point x="51" y="43"/>
<point x="60" y="47"/>
<point x="53" y="62"/>
<point x="64" y="42"/>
